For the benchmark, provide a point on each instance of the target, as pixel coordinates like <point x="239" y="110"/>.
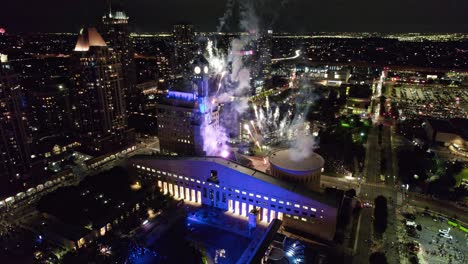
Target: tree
<point x="380" y="214"/>
<point x="377" y="258"/>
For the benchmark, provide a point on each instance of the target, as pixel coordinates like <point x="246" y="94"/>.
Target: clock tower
<point x="208" y="111"/>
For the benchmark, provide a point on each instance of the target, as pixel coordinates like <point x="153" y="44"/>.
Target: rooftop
<point x="197" y="163"/>
<point x="89" y="37"/>
<point x="283" y="159"/>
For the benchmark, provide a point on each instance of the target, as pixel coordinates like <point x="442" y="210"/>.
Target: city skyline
<point x="296" y="16"/>
<point x="221" y="139"/>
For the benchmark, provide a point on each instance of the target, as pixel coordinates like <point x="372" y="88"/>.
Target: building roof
<point x="203" y="165"/>
<point x="283" y="159"/>
<point x="89" y="37"/>
<point x="359" y="91"/>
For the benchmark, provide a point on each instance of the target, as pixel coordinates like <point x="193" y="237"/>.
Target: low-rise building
<point x="241" y="190"/>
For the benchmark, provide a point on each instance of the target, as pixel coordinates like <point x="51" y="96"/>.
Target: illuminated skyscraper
<point x="117" y="35"/>
<point x="14" y="146"/>
<point x="98" y="94"/>
<point x="50" y="109"/>
<point x="262" y="58"/>
<point x="184" y="47"/>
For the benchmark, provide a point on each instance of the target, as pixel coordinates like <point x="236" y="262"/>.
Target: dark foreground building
<point x="14" y="146"/>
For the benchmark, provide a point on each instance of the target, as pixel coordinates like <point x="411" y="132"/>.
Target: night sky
<point x="288" y="16"/>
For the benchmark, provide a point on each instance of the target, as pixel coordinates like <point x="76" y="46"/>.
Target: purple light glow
<point x="181" y="96"/>
<point x="224" y="153"/>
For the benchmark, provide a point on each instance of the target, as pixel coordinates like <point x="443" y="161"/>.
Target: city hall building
<point x="229" y="186"/>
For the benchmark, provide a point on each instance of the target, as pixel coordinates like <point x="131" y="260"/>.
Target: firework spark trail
<point x="261" y="120"/>
<point x="276" y="117"/>
<point x="220" y="82"/>
<point x="255" y="129"/>
<point x="237" y="93"/>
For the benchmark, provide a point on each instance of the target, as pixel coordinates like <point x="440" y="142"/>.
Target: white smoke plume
<point x="302" y="147"/>
<point x="226" y="16"/>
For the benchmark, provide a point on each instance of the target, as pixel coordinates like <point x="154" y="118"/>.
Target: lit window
<point x="266" y="198"/>
<point x="186" y="178"/>
<point x="153" y="170"/>
<point x="258" y="196"/>
<point x="180" y="177"/>
<point x="288" y="203"/>
<point x="281" y="202"/>
<point x="237" y="191"/>
<point x="138" y="166"/>
<point x="198" y="181"/>
<point x="273" y="199"/>
<point x="296" y="217"/>
<point x="297" y="206"/>
<point x="305" y="207"/>
<point x="244" y="193"/>
<point x="313" y="209"/>
<point x="251" y="194"/>
<point x="303" y="219"/>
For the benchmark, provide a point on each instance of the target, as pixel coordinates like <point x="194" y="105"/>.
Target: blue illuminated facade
<point x="232" y="187"/>
<point x="188" y="97"/>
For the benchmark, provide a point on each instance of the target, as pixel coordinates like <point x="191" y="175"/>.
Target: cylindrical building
<point x="306" y="171"/>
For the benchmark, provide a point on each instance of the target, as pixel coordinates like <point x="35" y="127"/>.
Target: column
<point x="272" y="214"/>
<point x="193" y="196"/>
<point x="280" y="215"/>
<point x="170" y="189"/>
<point x="182" y="193"/>
<point x="265" y="215"/>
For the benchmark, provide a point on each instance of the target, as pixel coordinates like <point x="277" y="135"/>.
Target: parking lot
<point x="435" y="101"/>
<point x="434" y="246"/>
